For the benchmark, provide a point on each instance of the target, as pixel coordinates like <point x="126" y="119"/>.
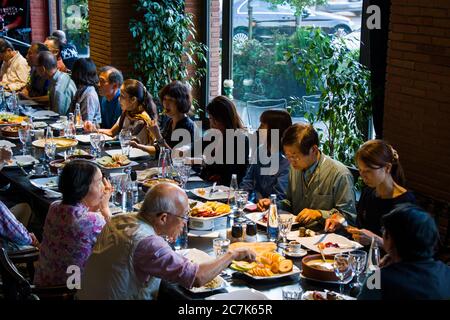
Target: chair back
<point x="257" y="107"/>
<point x="22" y="212"/>
<point x="311" y="103"/>
<point x="15" y="286"/>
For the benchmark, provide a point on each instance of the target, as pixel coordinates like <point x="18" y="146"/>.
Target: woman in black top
<point x="176" y="99"/>
<point x="220" y="164"/>
<point x="381" y="171"/>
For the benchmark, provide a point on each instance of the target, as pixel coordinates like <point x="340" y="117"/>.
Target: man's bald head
<point x="61" y="35"/>
<point x="164" y="197"/>
<point x="47" y="60"/>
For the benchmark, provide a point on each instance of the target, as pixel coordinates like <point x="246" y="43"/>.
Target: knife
<point x="321" y="238"/>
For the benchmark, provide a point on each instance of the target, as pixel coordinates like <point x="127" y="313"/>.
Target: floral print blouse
<point x="69" y="234"/>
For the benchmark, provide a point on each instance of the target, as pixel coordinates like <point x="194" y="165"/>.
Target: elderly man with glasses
<point x="131" y="256"/>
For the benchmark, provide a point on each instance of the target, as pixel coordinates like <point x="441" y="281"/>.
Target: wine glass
<point x="359" y="258"/>
<point x="284" y="227"/>
<point x="342" y="265"/>
<point x="241" y="198"/>
<point x="95" y="142"/>
<point x="24" y="136"/>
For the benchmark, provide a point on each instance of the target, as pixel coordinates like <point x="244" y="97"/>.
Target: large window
<point x="75" y="22"/>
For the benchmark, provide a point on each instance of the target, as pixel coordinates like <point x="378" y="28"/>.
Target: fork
<point x="212" y="190"/>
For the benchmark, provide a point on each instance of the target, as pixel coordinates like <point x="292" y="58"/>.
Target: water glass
<point x="220" y="246"/>
<point x="125" y="137"/>
<point x="359" y="259"/>
<point x="95" y="141"/>
<point x="292" y="294"/>
<point x="50" y="150"/>
<point x="284" y="227"/>
<point x="241" y="198"/>
<point x="182" y="240"/>
<point x="24" y="136"/>
<point x="342" y="265"/>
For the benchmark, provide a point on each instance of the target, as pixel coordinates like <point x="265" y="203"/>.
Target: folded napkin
<point x="5" y="143"/>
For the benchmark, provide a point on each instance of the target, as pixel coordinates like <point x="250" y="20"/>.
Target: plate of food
<point x="22" y="161"/>
<point x="10" y="131"/>
<point x="150" y="183"/>
<point x="268" y="265"/>
<point x="325" y="295"/>
<point x="134" y="153"/>
<point x="39" y="125"/>
<point x="219" y="193"/>
<point x="76" y="152"/>
<point x="43" y="114"/>
<point x="60" y="143"/>
<point x="209" y="210"/>
<point x="330" y="243"/>
<point x="46" y="183"/>
<point x="260" y="218"/>
<point x="314" y="267"/>
<point x="7" y="118"/>
<point x="199" y="256"/>
<point x="115" y="162"/>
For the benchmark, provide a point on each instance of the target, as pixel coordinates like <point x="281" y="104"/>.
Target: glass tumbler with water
<point x="125" y="138"/>
<point x="220" y="246"/>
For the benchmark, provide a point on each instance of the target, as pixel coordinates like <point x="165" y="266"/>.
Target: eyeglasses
<point x="184" y="217"/>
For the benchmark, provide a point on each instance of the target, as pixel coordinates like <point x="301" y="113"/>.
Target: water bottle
<point x="165" y="163"/>
<point x="78" y="120"/>
<point x="128" y="195"/>
<point x="70" y="127"/>
<point x="272" y="219"/>
<point x="231" y="196"/>
<point x="2" y="100"/>
<point x="14" y="103"/>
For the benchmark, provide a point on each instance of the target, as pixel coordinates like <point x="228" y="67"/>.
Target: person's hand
<point x="385" y="261"/>
<point x="263" y="204"/>
<point x="363" y="236"/>
<point x="88" y="126"/>
<point x="104" y="204"/>
<point x="246" y="254"/>
<point x="34" y="240"/>
<point x="308" y="215"/>
<point x="154" y="129"/>
<point x="134" y="144"/>
<point x="5" y="154"/>
<point x="334" y="222"/>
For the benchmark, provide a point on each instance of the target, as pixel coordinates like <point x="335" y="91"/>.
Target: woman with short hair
<point x="73" y="224"/>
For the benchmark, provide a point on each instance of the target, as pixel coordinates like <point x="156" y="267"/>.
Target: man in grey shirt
<point x="61" y="89"/>
<point x="319" y="187"/>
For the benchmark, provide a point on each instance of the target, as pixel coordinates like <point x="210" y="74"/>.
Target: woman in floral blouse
<point x="73" y="224"/>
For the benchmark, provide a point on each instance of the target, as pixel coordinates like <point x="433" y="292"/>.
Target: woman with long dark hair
<point x="275" y="179"/>
<point x="138" y="112"/>
<point x="380" y="168"/>
<point x="224" y="118"/>
<point x="84" y="74"/>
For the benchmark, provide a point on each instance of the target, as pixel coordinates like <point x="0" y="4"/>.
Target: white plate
<point x="6" y="143"/>
<point x="346" y="281"/>
<point x="222" y="193"/>
<point x="295" y="270"/>
<point x="85" y="138"/>
<point x="23" y="161"/>
<point x="299" y="254"/>
<point x="345" y="245"/>
<point x="203" y="289"/>
<point x="44" y="113"/>
<point x="57" y="125"/>
<point x="39" y="124"/>
<point x="131" y="164"/>
<point x="308" y="295"/>
<point x="257" y="216"/>
<point x="45" y="183"/>
<point x="134" y="153"/>
<point x="243" y="294"/>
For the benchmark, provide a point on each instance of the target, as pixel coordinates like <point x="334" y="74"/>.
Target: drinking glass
<point x="24" y="136"/>
<point x="342" y="265"/>
<point x="284" y="227"/>
<point x="359" y="259"/>
<point x="220" y="246"/>
<point x="292" y="294"/>
<point x="182" y="240"/>
<point x="241" y="198"/>
<point x="95" y="141"/>
<point x="125" y="137"/>
<point x="118" y="182"/>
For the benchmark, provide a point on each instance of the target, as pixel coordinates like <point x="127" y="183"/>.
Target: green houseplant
<point x="165" y="45"/>
<point x="328" y="68"/>
<point x="76" y="23"/>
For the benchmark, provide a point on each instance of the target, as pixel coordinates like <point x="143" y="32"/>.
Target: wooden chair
<point x="16" y="287"/>
<point x="27" y="257"/>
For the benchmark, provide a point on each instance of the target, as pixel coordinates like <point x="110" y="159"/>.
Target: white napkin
<point x="5" y="143"/>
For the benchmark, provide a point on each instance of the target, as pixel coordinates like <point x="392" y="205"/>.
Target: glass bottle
<point x="272" y="219"/>
<point x="128" y="195"/>
<point x="2" y="100"/>
<point x="70" y="127"/>
<point x="14" y="103"/>
<point x="78" y="120"/>
<point x="231" y="196"/>
<point x="165" y="163"/>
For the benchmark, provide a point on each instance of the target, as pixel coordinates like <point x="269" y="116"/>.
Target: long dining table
<point x="272" y="288"/>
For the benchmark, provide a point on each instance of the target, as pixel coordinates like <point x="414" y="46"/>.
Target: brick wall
<point x="214" y="50"/>
<point x="195" y="8"/>
<point x="417" y="102"/>
<point x="38" y="20"/>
